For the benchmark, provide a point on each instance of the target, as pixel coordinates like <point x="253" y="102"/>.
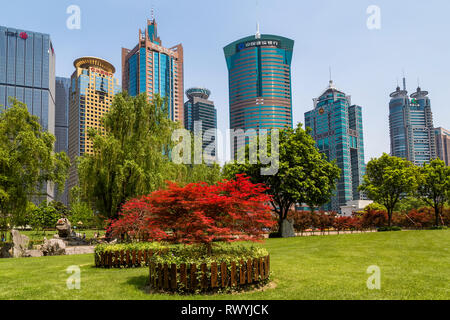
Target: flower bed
<point x="191" y="270"/>
<point x="126" y="255"/>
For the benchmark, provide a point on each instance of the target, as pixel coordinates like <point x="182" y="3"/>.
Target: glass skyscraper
<point x="153" y="69"/>
<point x="92" y="90"/>
<point x="411" y="126"/>
<point x="338" y="131"/>
<point x="200" y="108"/>
<point x="259" y="75"/>
<point x="62" y="124"/>
<point x="443" y="145"/>
<point x="27" y="72"/>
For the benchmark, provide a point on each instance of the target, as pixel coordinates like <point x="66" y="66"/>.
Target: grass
<point x="414" y="265"/>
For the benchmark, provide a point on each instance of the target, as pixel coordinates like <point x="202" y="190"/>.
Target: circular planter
<point x="207" y="278"/>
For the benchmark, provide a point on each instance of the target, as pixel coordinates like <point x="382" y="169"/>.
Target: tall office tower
<point x="92" y="90"/>
<point x="411" y="126"/>
<point x="62" y="124"/>
<point x="443" y="145"/>
<point x="153" y="69"/>
<point x="199" y="108"/>
<point x="259" y="75"/>
<point x="338" y="131"/>
<point x="27" y="72"/>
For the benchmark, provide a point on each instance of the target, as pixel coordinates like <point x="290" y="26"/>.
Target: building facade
<point x="259" y="75"/>
<point x="62" y="94"/>
<point x="411" y="126"/>
<point x="199" y="110"/>
<point x="27" y="72"/>
<point x="153" y="69"/>
<point x="443" y="145"/>
<point x="336" y="126"/>
<point x="92" y="90"/>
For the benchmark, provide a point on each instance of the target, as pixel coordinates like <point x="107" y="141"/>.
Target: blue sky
<point x="365" y="63"/>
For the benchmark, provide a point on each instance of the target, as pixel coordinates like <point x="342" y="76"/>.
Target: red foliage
<point x="234" y="210"/>
<point x="422" y="218"/>
<point x="374" y="219"/>
<point x="302" y="220"/>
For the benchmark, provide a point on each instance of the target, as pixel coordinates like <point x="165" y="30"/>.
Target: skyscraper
<point x="338" y="131"/>
<point x="62" y="124"/>
<point x="259" y="75"/>
<point x="443" y="145"/>
<point x="153" y="69"/>
<point x="92" y="90"/>
<point x="411" y="126"/>
<point x="199" y="109"/>
<point x="27" y="72"/>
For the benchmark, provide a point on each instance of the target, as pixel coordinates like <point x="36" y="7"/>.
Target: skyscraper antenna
<point x="258" y="34"/>
<point x="404" y="79"/>
<point x="152" y="16"/>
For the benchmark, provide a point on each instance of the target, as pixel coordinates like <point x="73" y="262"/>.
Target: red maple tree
<point x="235" y="210"/>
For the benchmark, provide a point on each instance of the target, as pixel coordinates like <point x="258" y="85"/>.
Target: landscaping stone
<point x="287" y="229"/>
<point x="64" y="228"/>
<point x="20" y="244"/>
<point x="53" y="247"/>
<point x="6" y="250"/>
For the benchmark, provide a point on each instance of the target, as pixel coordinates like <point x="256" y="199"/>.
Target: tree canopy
<point x="131" y="157"/>
<point x="389" y="179"/>
<point x="434" y="185"/>
<point x="303" y="176"/>
<point x="27" y="161"/>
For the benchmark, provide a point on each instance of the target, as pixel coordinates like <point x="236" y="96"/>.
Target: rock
<point x="6" y="250"/>
<point x="287" y="229"/>
<point x="53" y="247"/>
<point x="20" y="243"/>
<point x="33" y="253"/>
<point x="64" y="228"/>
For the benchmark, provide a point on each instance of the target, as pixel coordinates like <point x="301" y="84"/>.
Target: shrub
<point x="198" y="213"/>
<point x="393" y="228"/>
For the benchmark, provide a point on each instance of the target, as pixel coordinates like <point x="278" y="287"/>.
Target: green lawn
<point x="414" y="265"/>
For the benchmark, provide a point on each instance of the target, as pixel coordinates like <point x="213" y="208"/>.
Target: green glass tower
<point x="259" y="73"/>
<point x="338" y="131"/>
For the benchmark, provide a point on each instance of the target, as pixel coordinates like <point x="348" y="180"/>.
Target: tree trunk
<point x="436" y="214"/>
<point x="389" y="218"/>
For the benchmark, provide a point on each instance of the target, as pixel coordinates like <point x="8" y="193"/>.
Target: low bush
<point x="134" y="246"/>
<point x="179" y="254"/>
<point x="394" y="228"/>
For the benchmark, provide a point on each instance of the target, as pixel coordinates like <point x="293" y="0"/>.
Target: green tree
<point x="131" y="157"/>
<point x="27" y="161"/>
<point x="80" y="211"/>
<point x="303" y="176"/>
<point x="434" y="185"/>
<point x="406" y="204"/>
<point x="44" y="217"/>
<point x="388" y="180"/>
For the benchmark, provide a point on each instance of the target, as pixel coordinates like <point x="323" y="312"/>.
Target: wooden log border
<point x="200" y="277"/>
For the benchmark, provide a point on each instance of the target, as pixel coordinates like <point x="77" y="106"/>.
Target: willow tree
<point x="131" y="157"/>
<point x="27" y="162"/>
